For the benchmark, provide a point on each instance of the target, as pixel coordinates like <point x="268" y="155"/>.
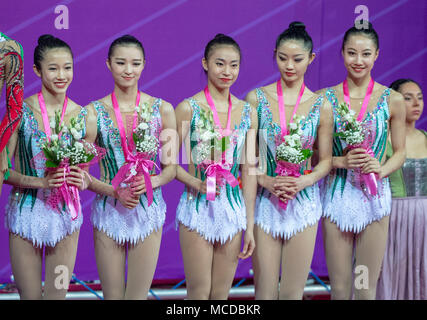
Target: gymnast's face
<point x="222" y="66"/>
<point x="413" y="100"/>
<point x="56" y="70"/>
<point x="360" y="54"/>
<point x="293" y="60"/>
<point x="126" y="64"/>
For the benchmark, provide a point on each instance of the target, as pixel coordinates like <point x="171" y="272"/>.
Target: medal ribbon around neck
<point x="224" y="132"/>
<point x="282" y="114"/>
<point x="45" y="117"/>
<point x="368" y="95"/>
<point x="135" y="164"/>
<point x="120" y="125"/>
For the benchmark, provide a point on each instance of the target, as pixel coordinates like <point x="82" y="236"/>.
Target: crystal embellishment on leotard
<point x="108" y="215"/>
<point x="305" y="209"/>
<point x="350" y="207"/>
<point x="219" y="220"/>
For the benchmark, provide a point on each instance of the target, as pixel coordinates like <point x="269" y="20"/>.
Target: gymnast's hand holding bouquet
<point x="360" y="156"/>
<point x="290" y="154"/>
<point x="139" y="153"/>
<point x="66" y="162"/>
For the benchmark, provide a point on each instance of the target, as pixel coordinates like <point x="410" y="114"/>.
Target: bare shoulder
<point x="183" y="110"/>
<point x="31" y="101"/>
<point x="90" y="110"/>
<point x="74" y="105"/>
<point x="166" y="108"/>
<point x="106" y="101"/>
<point x="251" y="96"/>
<point x="395" y="97"/>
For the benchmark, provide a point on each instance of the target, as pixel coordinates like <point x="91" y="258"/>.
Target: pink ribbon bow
<point x="287" y="169"/>
<point x="214" y="171"/>
<point x="67" y="193"/>
<point x="134" y="165"/>
<point x="370" y="179"/>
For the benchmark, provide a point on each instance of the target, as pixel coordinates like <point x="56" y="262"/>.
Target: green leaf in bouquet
<point x="222" y="144"/>
<point x="90" y="157"/>
<point x="48" y="154"/>
<point x="51" y="164"/>
<point x="135" y="137"/>
<point x="225" y="142"/>
<point x="306" y="153"/>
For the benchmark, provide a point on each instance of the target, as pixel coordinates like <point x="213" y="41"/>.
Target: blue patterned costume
<point x="108" y="214"/>
<point x="352" y="208"/>
<point x="221" y="219"/>
<point x="303" y="211"/>
<point x="27" y="213"/>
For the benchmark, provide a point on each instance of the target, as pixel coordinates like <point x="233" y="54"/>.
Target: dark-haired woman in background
<point x="125" y="224"/>
<point x="353" y="215"/>
<point x="210" y="231"/>
<point x="404" y="270"/>
<point x="11" y="75"/>
<point x="286" y="237"/>
<point x="32" y="223"/>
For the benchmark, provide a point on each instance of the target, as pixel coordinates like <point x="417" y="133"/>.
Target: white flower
<point x="290" y="141"/>
<point x="137" y="109"/>
<point x="348" y="117"/>
<point x="295" y="137"/>
<point x="143" y="126"/>
<point x="200" y="123"/>
<point x="79" y="146"/>
<point x="77" y="135"/>
<point x="52" y="122"/>
<point x="293" y="126"/>
<point x="54" y="137"/>
<point x="207" y="135"/>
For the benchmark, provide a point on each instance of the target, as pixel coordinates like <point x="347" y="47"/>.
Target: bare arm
<point x="183" y="118"/>
<point x="169" y="142"/>
<point x="17" y="179"/>
<point x="324" y="164"/>
<point x="324" y="138"/>
<point x="398" y="135"/>
<point x="249" y="183"/>
<point x="95" y="185"/>
<point x="262" y="167"/>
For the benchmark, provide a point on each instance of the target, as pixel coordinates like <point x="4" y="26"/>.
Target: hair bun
<point x="45" y="39"/>
<point x="296" y="25"/>
<point x="219" y="35"/>
<point x="363" y="22"/>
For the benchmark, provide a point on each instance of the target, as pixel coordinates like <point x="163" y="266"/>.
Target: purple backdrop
<point x="174" y="34"/>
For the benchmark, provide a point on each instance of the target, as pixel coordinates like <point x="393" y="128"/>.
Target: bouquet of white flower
<point x="356" y="136"/>
<point x="59" y="153"/>
<point x="290" y="153"/>
<point x="352" y="131"/>
<point x="142" y="138"/>
<point x="291" y="149"/>
<point x="142" y="148"/>
<point x="76" y="152"/>
<point x="209" y="138"/>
